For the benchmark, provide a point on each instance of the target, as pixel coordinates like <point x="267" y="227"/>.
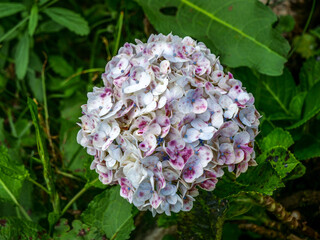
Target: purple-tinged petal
<point x="200" y="106"/>
<point x="192" y="170"/>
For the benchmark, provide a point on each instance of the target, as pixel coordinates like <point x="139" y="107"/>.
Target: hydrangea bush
<point x="167" y="121"/>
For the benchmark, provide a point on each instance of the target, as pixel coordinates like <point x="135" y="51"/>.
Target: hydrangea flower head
<point x="167" y="121"/>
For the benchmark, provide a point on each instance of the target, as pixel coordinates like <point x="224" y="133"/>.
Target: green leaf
<point x="111" y="213"/>
<point x="14" y="228"/>
<point x="309" y="74"/>
<point x="21" y="57"/>
<point x="262" y="178"/>
<point x="7" y="9"/>
<point x="311" y="106"/>
<point x="274" y="165"/>
<point x="306" y="45"/>
<point x="296" y="104"/>
<point x="11" y="168"/>
<point x="272" y="94"/>
<point x="308" y="146"/>
<point x="49" y="27"/>
<point x="14" y="185"/>
<point x="60" y="66"/>
<point x="205" y="220"/>
<point x="71" y="20"/>
<point x="80" y="231"/>
<point x="33" y="21"/>
<point x="286" y="23"/>
<point x="229" y="28"/>
<point x="282" y="160"/>
<point x="278" y="137"/>
<point x="12" y="175"/>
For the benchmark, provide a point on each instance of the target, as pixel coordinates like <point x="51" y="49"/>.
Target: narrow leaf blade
<point x="7" y="9"/>
<point x="22" y="56"/>
<point x="33" y="21"/>
<point x="71" y="20"/>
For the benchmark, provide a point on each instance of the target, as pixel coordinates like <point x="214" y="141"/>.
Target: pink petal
<point x="200" y="106"/>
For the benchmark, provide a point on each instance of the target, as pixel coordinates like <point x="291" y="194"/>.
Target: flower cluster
<point x="166" y="122"/>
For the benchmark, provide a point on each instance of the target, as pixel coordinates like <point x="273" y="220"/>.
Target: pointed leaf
<point x="272" y="94"/>
<point x="229" y="28"/>
<point x="7" y="9"/>
<point x="111" y="213"/>
<point x="309" y="74"/>
<point x="33" y="21"/>
<point x="22" y="56"/>
<point x="71" y="20"/>
<point x="311" y="106"/>
<point x="278" y="137"/>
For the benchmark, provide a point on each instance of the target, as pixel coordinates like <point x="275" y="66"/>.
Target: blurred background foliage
<point x="53" y="52"/>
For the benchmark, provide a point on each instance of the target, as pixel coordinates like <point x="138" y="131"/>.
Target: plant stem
<point x="304" y="29"/>
<point x="45" y="103"/>
<point x="82" y="191"/>
<point x="269" y="233"/>
<point x="23" y="211"/>
<point x="69" y="175"/>
<point x="120" y="23"/>
<point x="84" y="72"/>
<point x="47" y="171"/>
<point x="13" y="29"/>
<point x="38" y="185"/>
<point x="284" y="216"/>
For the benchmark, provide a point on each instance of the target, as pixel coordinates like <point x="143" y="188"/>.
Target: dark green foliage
<point x="110" y="213"/>
<point x="205" y="218"/>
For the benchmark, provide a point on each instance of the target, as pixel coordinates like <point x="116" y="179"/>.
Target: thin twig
<point x="79" y="194"/>
<point x="45" y="103"/>
<point x="23" y="211"/>
<point x="84" y="72"/>
<point x="38" y="184"/>
<point x="69" y="175"/>
<point x="304" y="29"/>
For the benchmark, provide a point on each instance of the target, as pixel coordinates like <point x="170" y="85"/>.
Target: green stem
<point x="304" y="30"/>
<point x="13" y="128"/>
<point x="82" y="191"/>
<point x="84" y="72"/>
<point x="13" y="29"/>
<point x="120" y="22"/>
<point x="69" y="175"/>
<point x="38" y="185"/>
<point x="23" y="211"/>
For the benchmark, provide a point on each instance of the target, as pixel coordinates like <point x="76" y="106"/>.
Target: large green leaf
<point x="282" y="160"/>
<point x="278" y="137"/>
<point x="111" y="213"/>
<point x="309" y="74"/>
<point x="9" y="167"/>
<point x="273" y="95"/>
<point x="274" y="165"/>
<point x="12" y="176"/>
<point x="311" y="106"/>
<point x="205" y="220"/>
<point x="71" y="20"/>
<point x="22" y="56"/>
<point x="7" y="9"/>
<point x="240" y="31"/>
